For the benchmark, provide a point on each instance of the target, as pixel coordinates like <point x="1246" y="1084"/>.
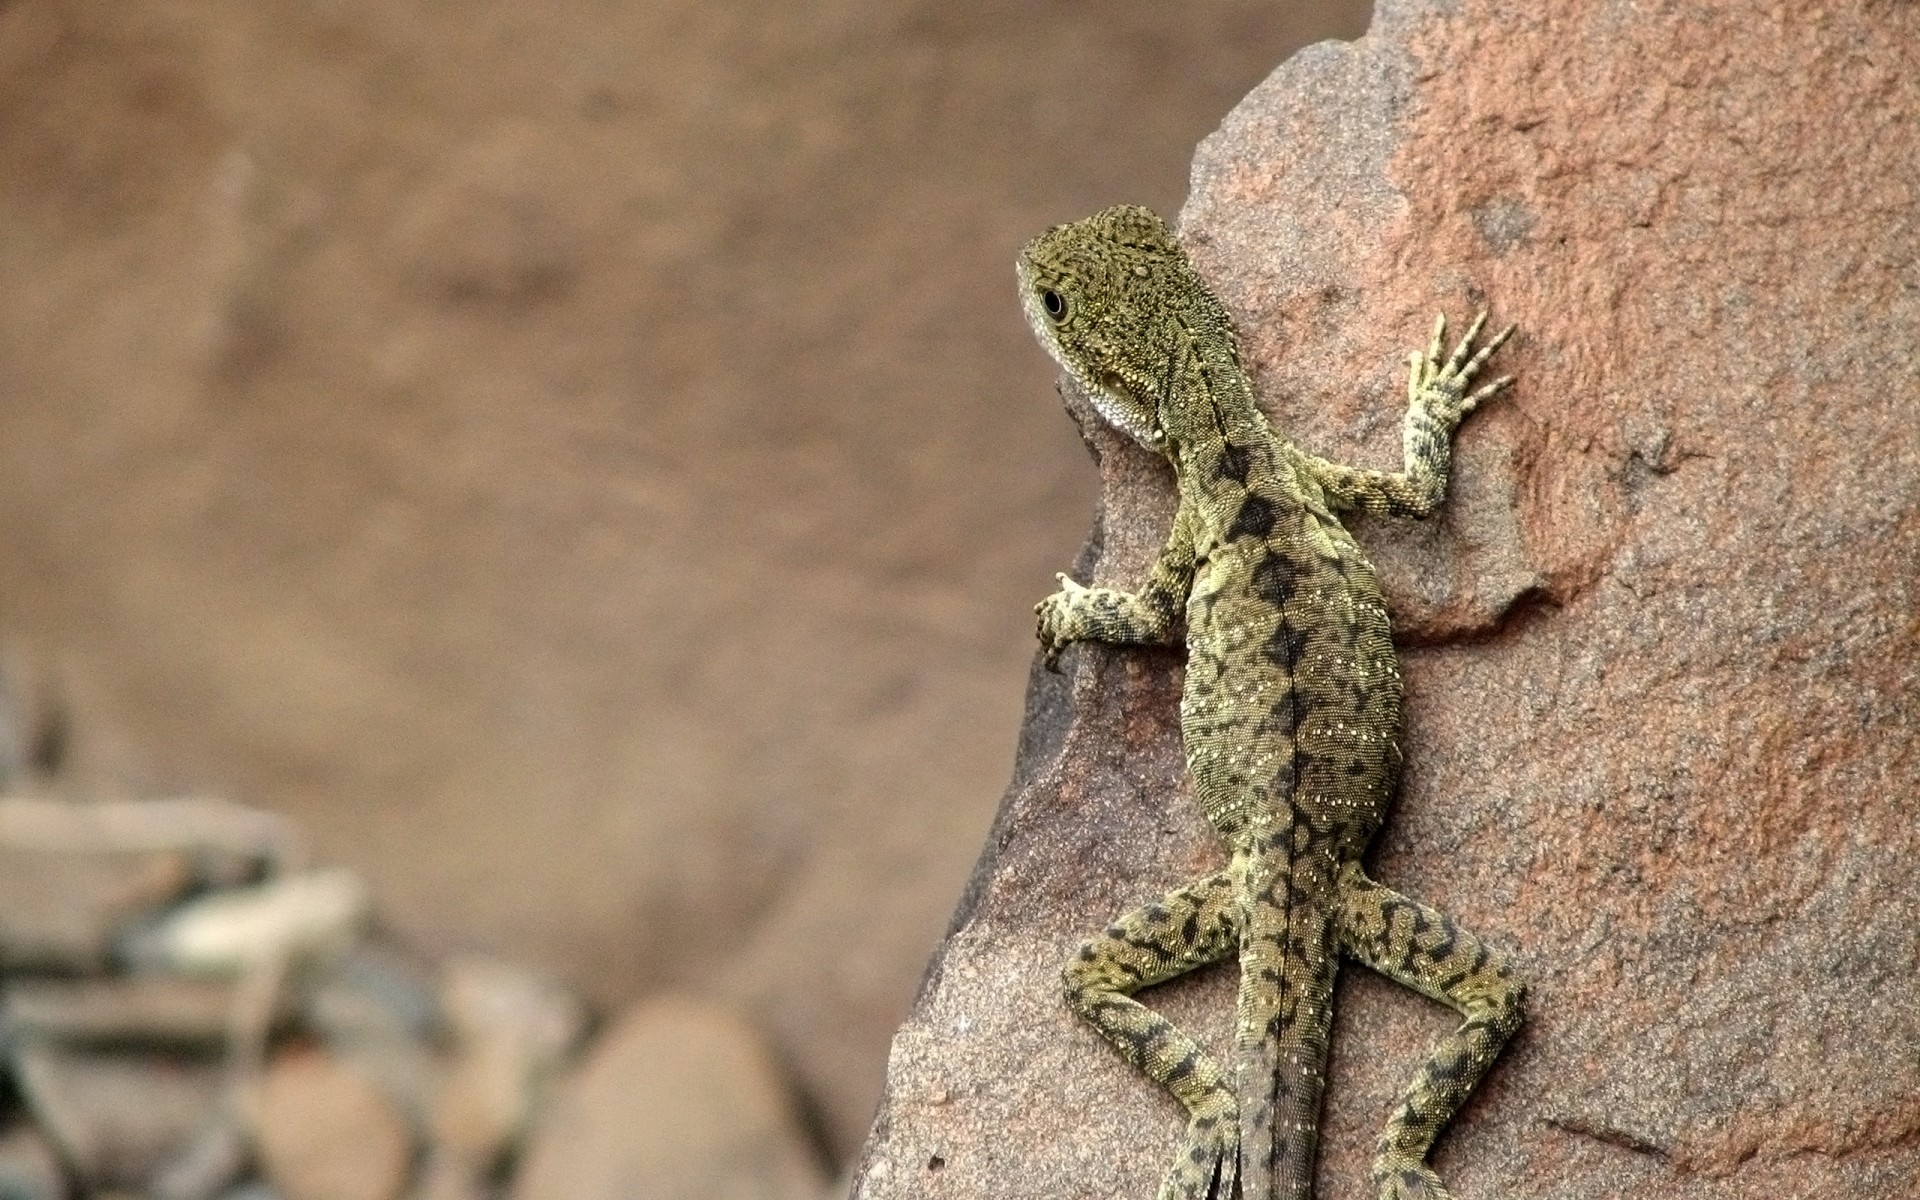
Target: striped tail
<point x="1287" y="964"/>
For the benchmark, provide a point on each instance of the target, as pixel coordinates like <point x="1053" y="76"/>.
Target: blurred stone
<point x="676" y="1101"/>
<point x="485" y="999"/>
<point x="326" y="1131"/>
<point x="63" y="909"/>
<point x="118" y="1119"/>
<point x="448" y="1176"/>
<point x="308" y="915"/>
<point x="215" y="1158"/>
<point x="373" y="992"/>
<point x="29" y="1167"/>
<point x="510" y="1030"/>
<point x="377" y="1008"/>
<point x="1662" y="660"/>
<point x="227" y="843"/>
<point x="138" y="1008"/>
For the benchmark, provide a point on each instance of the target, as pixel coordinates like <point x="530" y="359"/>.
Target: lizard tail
<point x="1287" y="966"/>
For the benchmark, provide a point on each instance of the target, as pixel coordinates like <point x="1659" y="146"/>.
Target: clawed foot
<point x="1209" y="1164"/>
<point x="1407" y="1179"/>
<point x="1442" y="387"/>
<point x="1054" y="621"/>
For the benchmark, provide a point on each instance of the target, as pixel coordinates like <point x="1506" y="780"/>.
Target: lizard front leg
<point x="1437" y="401"/>
<point x="1189" y="928"/>
<point x="1150" y="616"/>
<point x="1421" y="947"/>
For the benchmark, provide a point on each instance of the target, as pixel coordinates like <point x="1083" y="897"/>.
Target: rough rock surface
<point x="577" y="458"/>
<point x="678" y="1101"/>
<point x="1663" y="662"/>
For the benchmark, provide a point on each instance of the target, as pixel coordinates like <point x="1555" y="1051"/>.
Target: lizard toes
<point x="1405" y="1179"/>
<point x="1208" y="1168"/>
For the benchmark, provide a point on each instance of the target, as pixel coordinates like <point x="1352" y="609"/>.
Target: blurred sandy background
<point x="583" y="461"/>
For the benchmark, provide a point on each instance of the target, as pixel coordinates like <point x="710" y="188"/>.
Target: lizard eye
<point x="1054" y="303"/>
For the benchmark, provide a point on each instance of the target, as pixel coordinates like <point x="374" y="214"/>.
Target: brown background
<point x="582" y="460"/>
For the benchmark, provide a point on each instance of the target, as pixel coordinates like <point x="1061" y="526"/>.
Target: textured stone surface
<point x="579" y="459"/>
<point x="1663" y="661"/>
<point x="677" y="1101"/>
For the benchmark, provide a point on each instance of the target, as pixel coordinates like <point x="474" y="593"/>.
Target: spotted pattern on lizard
<point x="1290" y="721"/>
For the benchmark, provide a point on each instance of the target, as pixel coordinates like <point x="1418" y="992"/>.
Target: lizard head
<point x="1115" y="301"/>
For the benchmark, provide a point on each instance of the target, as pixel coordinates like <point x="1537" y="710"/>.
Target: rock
<point x="372" y="992"/>
<point x="450" y="1176"/>
<point x="228" y="843"/>
<point x="308" y="915"/>
<point x="140" y="1008"/>
<point x="64" y="910"/>
<point x="485" y="999"/>
<point x="29" y="1167"/>
<point x="510" y="1030"/>
<point x="676" y="1101"/>
<point x="118" y="1119"/>
<point x="326" y="1131"/>
<point x="214" y="1159"/>
<point x="376" y="1008"/>
<point x="1662" y="664"/>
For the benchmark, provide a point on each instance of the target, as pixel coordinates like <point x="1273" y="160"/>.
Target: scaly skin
<point x="1291" y="721"/>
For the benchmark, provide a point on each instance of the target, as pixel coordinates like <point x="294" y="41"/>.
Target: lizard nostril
<point x="1054" y="303"/>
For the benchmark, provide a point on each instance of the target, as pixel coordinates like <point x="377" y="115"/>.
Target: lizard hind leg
<point x="1419" y="946"/>
<point x="1188" y="928"/>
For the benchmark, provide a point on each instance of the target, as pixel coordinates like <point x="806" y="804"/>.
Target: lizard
<point x="1290" y="720"/>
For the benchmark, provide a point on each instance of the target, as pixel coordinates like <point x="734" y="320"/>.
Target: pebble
<point x="304" y="916"/>
<point x="118" y="1010"/>
<point x="29" y="1167"/>
<point x="325" y="1130"/>
<point x="679" y="1100"/>
<point x="510" y="1029"/>
<point x="64" y="909"/>
<point x="118" y="1119"/>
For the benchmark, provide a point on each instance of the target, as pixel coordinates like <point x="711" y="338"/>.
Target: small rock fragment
<point x="372" y="993"/>
<point x="449" y="1177"/>
<point x="29" y="1168"/>
<point x="139" y="1009"/>
<point x="377" y="1009"/>
<point x="326" y="1131"/>
<point x="214" y="1159"/>
<point x="679" y="1100"/>
<point x="118" y="1119"/>
<point x="485" y="998"/>
<point x="63" y="909"/>
<point x="511" y="1028"/>
<point x="297" y="917"/>
<point x="227" y="843"/>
